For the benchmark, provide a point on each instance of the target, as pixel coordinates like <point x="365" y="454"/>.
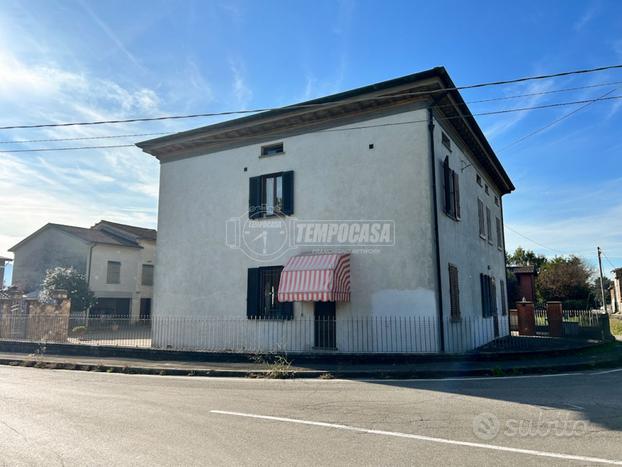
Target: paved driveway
<point x="53" y="417"/>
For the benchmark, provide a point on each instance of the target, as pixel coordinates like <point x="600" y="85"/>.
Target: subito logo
<point x="486" y="426"/>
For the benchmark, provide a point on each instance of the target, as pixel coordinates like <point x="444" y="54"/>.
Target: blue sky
<point x="81" y="60"/>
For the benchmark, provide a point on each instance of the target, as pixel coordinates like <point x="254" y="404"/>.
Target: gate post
<point x="526" y="318"/>
<point x="554" y="316"/>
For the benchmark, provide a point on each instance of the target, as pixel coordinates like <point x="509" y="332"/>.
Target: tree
<point x="522" y="257"/>
<point x="595" y="290"/>
<point x="565" y="279"/>
<point x="73" y="282"/>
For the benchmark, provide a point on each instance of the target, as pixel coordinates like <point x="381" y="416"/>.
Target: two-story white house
<point x="374" y="216"/>
<point x="118" y="261"/>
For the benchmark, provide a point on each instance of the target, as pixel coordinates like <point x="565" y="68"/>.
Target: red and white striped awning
<point x="316" y="278"/>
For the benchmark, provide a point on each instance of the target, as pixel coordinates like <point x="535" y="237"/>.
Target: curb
<point x="312" y="374"/>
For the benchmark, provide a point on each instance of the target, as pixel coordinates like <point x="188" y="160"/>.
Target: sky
<point x="63" y="61"/>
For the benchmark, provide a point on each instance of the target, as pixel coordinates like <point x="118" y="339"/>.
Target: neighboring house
<point x="526" y="283"/>
<point x="117" y="260"/>
<point x="616" y="291"/>
<point x="405" y="150"/>
<point x="3" y="261"/>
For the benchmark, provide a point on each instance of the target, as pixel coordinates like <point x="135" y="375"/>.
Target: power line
<point x="515" y="96"/>
<point x="81" y="138"/>
<point x="532" y="240"/>
<point x="554" y="122"/>
<point x="303" y="106"/>
<point x="503" y="111"/>
<point x="608" y="260"/>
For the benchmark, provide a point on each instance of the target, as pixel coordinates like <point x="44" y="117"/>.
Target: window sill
<point x="483" y="237"/>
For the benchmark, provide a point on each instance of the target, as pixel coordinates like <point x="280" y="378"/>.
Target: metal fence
<point x="586" y="324"/>
<point x="391" y="334"/>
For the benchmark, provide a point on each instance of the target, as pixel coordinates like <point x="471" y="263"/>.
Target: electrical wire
<point x="314" y="105"/>
<point x="554" y="122"/>
<point x="501" y="98"/>
<point x="360" y="127"/>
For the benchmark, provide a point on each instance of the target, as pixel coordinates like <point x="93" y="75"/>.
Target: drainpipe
<point x="88" y="279"/>
<point x="441" y="325"/>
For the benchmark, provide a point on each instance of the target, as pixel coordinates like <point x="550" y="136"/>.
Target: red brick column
<point x="554" y="316"/>
<point x="526" y="319"/>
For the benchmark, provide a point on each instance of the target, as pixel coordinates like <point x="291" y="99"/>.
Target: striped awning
<point x="316" y="278"/>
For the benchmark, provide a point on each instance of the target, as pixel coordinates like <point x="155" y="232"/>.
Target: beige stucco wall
<point x="461" y="244"/>
<point x="50" y="248"/>
<point x="130" y="285"/>
<point x="336" y="177"/>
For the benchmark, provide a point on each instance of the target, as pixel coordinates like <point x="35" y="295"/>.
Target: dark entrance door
<point x="145" y="308"/>
<point x="325" y="325"/>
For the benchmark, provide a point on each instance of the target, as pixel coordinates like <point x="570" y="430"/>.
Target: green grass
<point x="616" y="326"/>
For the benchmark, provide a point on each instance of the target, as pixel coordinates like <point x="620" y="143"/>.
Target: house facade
<point x="405" y="155"/>
<point x="118" y="261"/>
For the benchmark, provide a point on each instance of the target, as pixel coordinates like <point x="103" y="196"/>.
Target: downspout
<point x="505" y="268"/>
<point x="441" y="325"/>
<point x="88" y="279"/>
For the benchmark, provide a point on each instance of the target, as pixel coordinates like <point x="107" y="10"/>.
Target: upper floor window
<point x="262" y="294"/>
<point x="489" y="225"/>
<point x="446" y="141"/>
<point x="478" y="179"/>
<point x="452" y="191"/>
<point x="271" y="194"/>
<point x="272" y="149"/>
<point x="113" y="274"/>
<point x="481" y="218"/>
<point x="147" y="275"/>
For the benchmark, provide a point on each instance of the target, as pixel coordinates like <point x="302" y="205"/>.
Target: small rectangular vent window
<point x="272" y="149"/>
<point x="446" y="141"/>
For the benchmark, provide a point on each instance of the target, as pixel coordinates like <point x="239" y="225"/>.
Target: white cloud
<point x="72" y="187"/>
<point x="242" y="92"/>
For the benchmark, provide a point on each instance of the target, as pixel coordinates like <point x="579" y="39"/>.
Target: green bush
<point x="79" y="330"/>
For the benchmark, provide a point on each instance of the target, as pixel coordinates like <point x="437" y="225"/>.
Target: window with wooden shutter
<point x="504" y="299"/>
<point x="488" y="225"/>
<point x="288" y="193"/>
<point x="262" y="294"/>
<point x="499" y="234"/>
<point x="271" y="194"/>
<point x="254" y="197"/>
<point x="454" y="292"/>
<point x="147" y="275"/>
<point x="456" y="195"/>
<point x="113" y="273"/>
<point x="482" y="220"/>
<point x="493" y="296"/>
<point x="451" y="191"/>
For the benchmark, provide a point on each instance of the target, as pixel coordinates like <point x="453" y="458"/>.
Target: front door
<point x="325" y="325"/>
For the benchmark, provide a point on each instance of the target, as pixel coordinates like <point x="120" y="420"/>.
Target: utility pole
<point x="602" y="287"/>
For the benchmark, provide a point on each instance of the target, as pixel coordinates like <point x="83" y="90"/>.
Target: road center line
<point x="396" y="434"/>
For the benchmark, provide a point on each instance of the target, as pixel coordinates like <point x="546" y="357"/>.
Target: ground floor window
<point x="489" y="295"/>
<point x="262" y="294"/>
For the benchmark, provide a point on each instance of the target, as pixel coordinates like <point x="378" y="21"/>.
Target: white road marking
<point x="607" y="371"/>
<point x="396" y="434"/>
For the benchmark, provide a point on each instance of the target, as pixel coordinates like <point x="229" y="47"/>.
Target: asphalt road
<point x="54" y="417"/>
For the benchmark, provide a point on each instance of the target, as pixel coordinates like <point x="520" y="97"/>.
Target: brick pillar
<point x="555" y="318"/>
<point x="526" y="318"/>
